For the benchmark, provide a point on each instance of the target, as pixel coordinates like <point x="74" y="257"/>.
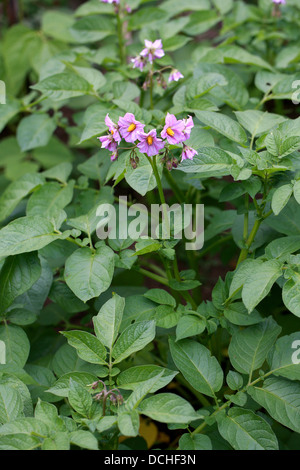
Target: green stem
<point x="246" y="217"/>
<point x="250" y="240"/>
<point x="176" y="190"/>
<point x="151" y="87"/>
<point x="153" y="276"/>
<point x="153" y="163"/>
<point x="186" y="295"/>
<point x="200" y="428"/>
<point x="121" y="39"/>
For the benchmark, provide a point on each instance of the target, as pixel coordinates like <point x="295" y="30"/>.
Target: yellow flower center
<point x="149" y="140"/>
<point x="131" y="127"/>
<point x="170" y="132"/>
<point x="112" y="131"/>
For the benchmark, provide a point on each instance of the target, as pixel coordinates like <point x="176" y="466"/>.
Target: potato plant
<point x="111" y="342"/>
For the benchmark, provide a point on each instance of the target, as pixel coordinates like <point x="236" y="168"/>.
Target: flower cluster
<point x="132" y="131"/>
<point x="154" y="50"/>
<point x="279" y="2"/>
<point x="117" y="2"/>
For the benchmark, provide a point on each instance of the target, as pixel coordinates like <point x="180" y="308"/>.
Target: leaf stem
<point x="153" y="276"/>
<point x="120" y="38"/>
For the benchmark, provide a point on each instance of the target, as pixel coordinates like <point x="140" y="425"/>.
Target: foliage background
<point x="61" y="65"/>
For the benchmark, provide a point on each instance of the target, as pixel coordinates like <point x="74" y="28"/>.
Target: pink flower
<point x="175" y="75"/>
<point x="149" y="143"/>
<point x="153" y="50"/>
<point x="279" y="2"/>
<point x="128" y="8"/>
<point x="114" y="156"/>
<point x="188" y="126"/>
<point x="116" y="2"/>
<point x="188" y="153"/>
<point x="129" y="127"/>
<point x="113" y="129"/>
<point x="173" y="130"/>
<point x="108" y="142"/>
<point x="139" y="62"/>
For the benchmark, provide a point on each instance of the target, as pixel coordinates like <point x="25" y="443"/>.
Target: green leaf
<point x="209" y="162"/>
<point x="198" y="367"/>
<point x="10" y="380"/>
<point x="134" y="338"/>
<point x="16" y="191"/>
<point x="80" y="399"/>
<point x="7" y="112"/>
<point x="224" y="6"/>
<point x="92" y="29"/>
<point x="49" y="199"/>
<point x="132" y="378"/>
<point x="259" y="283"/>
<point x="234" y="380"/>
<point x="56" y="24"/>
<point x="161" y="297"/>
<point x="280" y="147"/>
<point x="235" y="93"/>
<point x="17" y="275"/>
<point x="88" y="347"/>
<point x="63" y="86"/>
<point x="281" y="197"/>
<point x="224" y="125"/>
<point x="281" y="398"/>
<point x="48" y="414"/>
<point x="84" y="439"/>
<point x="291" y="295"/>
<point x="258" y="122"/>
<point x="283" y="246"/>
<point x="60" y="441"/>
<point x="147" y="16"/>
<point x="129" y="423"/>
<point x="195" y="442"/>
<point x="26" y="234"/>
<point x="35" y="131"/>
<point x="249" y="347"/>
<point x="66" y="360"/>
<point x="237" y="314"/>
<point x="108" y="321"/>
<point x="168" y="408"/>
<point x="244" y="430"/>
<point x="25" y="426"/>
<point x="283" y="358"/>
<point x="88" y="273"/>
<point x="296" y="191"/>
<point x="60" y="172"/>
<point x="189" y="325"/>
<point x="11" y="405"/>
<point x="64" y="297"/>
<point x="16" y="344"/>
<point x="142" y="178"/>
<point x="19" y="442"/>
<point x="141" y="391"/>
<point x="62" y="385"/>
